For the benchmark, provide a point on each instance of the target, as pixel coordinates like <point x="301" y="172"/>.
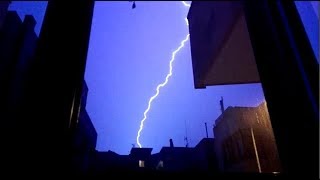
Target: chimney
<point x="206" y="129"/>
<point x="221" y="105"/>
<point x="171" y="143"/>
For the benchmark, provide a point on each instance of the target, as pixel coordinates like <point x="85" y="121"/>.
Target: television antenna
<point x="133" y="4"/>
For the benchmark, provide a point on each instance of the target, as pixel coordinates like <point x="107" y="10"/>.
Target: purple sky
<point x="128" y="57"/>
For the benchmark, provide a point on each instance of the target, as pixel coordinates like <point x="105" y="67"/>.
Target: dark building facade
<point x="52" y="98"/>
<point x="52" y="105"/>
<point x="3" y="11"/>
<point x="9" y="50"/>
<point x="85" y="138"/>
<point x="176" y="159"/>
<point x="106" y="163"/>
<point x="85" y="127"/>
<point x="206" y="155"/>
<point x="201" y="158"/>
<point x="18" y="42"/>
<point x="141" y="158"/>
<point x="110" y="163"/>
<point x="244" y="140"/>
<point x="28" y="43"/>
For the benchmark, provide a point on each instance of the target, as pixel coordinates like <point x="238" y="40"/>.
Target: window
<point x="141" y="163"/>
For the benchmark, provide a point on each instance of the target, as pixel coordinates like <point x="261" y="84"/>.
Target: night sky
<point x="128" y="57"/>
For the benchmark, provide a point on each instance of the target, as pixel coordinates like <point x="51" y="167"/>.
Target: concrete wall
<point x="209" y="24"/>
<point x="233" y="140"/>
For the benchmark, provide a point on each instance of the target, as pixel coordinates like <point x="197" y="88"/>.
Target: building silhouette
<point x="175" y="159"/>
<point x="52" y="97"/>
<point x="85" y="138"/>
<point x="110" y="163"/>
<point x="18" y="42"/>
<point x="170" y="159"/>
<point x="244" y="140"/>
<point x="200" y="158"/>
<point x="141" y="158"/>
<point x="106" y="163"/>
<point x="9" y="48"/>
<point x="27" y="43"/>
<point x="3" y="11"/>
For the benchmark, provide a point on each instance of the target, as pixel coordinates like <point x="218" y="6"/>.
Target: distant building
<point x="183" y="159"/>
<point x="139" y="160"/>
<point x="110" y="162"/>
<point x="244" y="140"/>
<point x="86" y="133"/>
<point x="141" y="157"/>
<point x="169" y="160"/>
<point x="175" y="159"/>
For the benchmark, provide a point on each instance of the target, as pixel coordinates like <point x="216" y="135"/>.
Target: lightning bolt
<point x="165" y="82"/>
<point x="185" y="4"/>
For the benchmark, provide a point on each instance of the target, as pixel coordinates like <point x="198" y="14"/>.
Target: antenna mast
<point x="186" y="137"/>
<point x="206" y="129"/>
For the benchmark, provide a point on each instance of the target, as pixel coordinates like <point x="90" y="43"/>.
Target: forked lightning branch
<point x="164" y="83"/>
